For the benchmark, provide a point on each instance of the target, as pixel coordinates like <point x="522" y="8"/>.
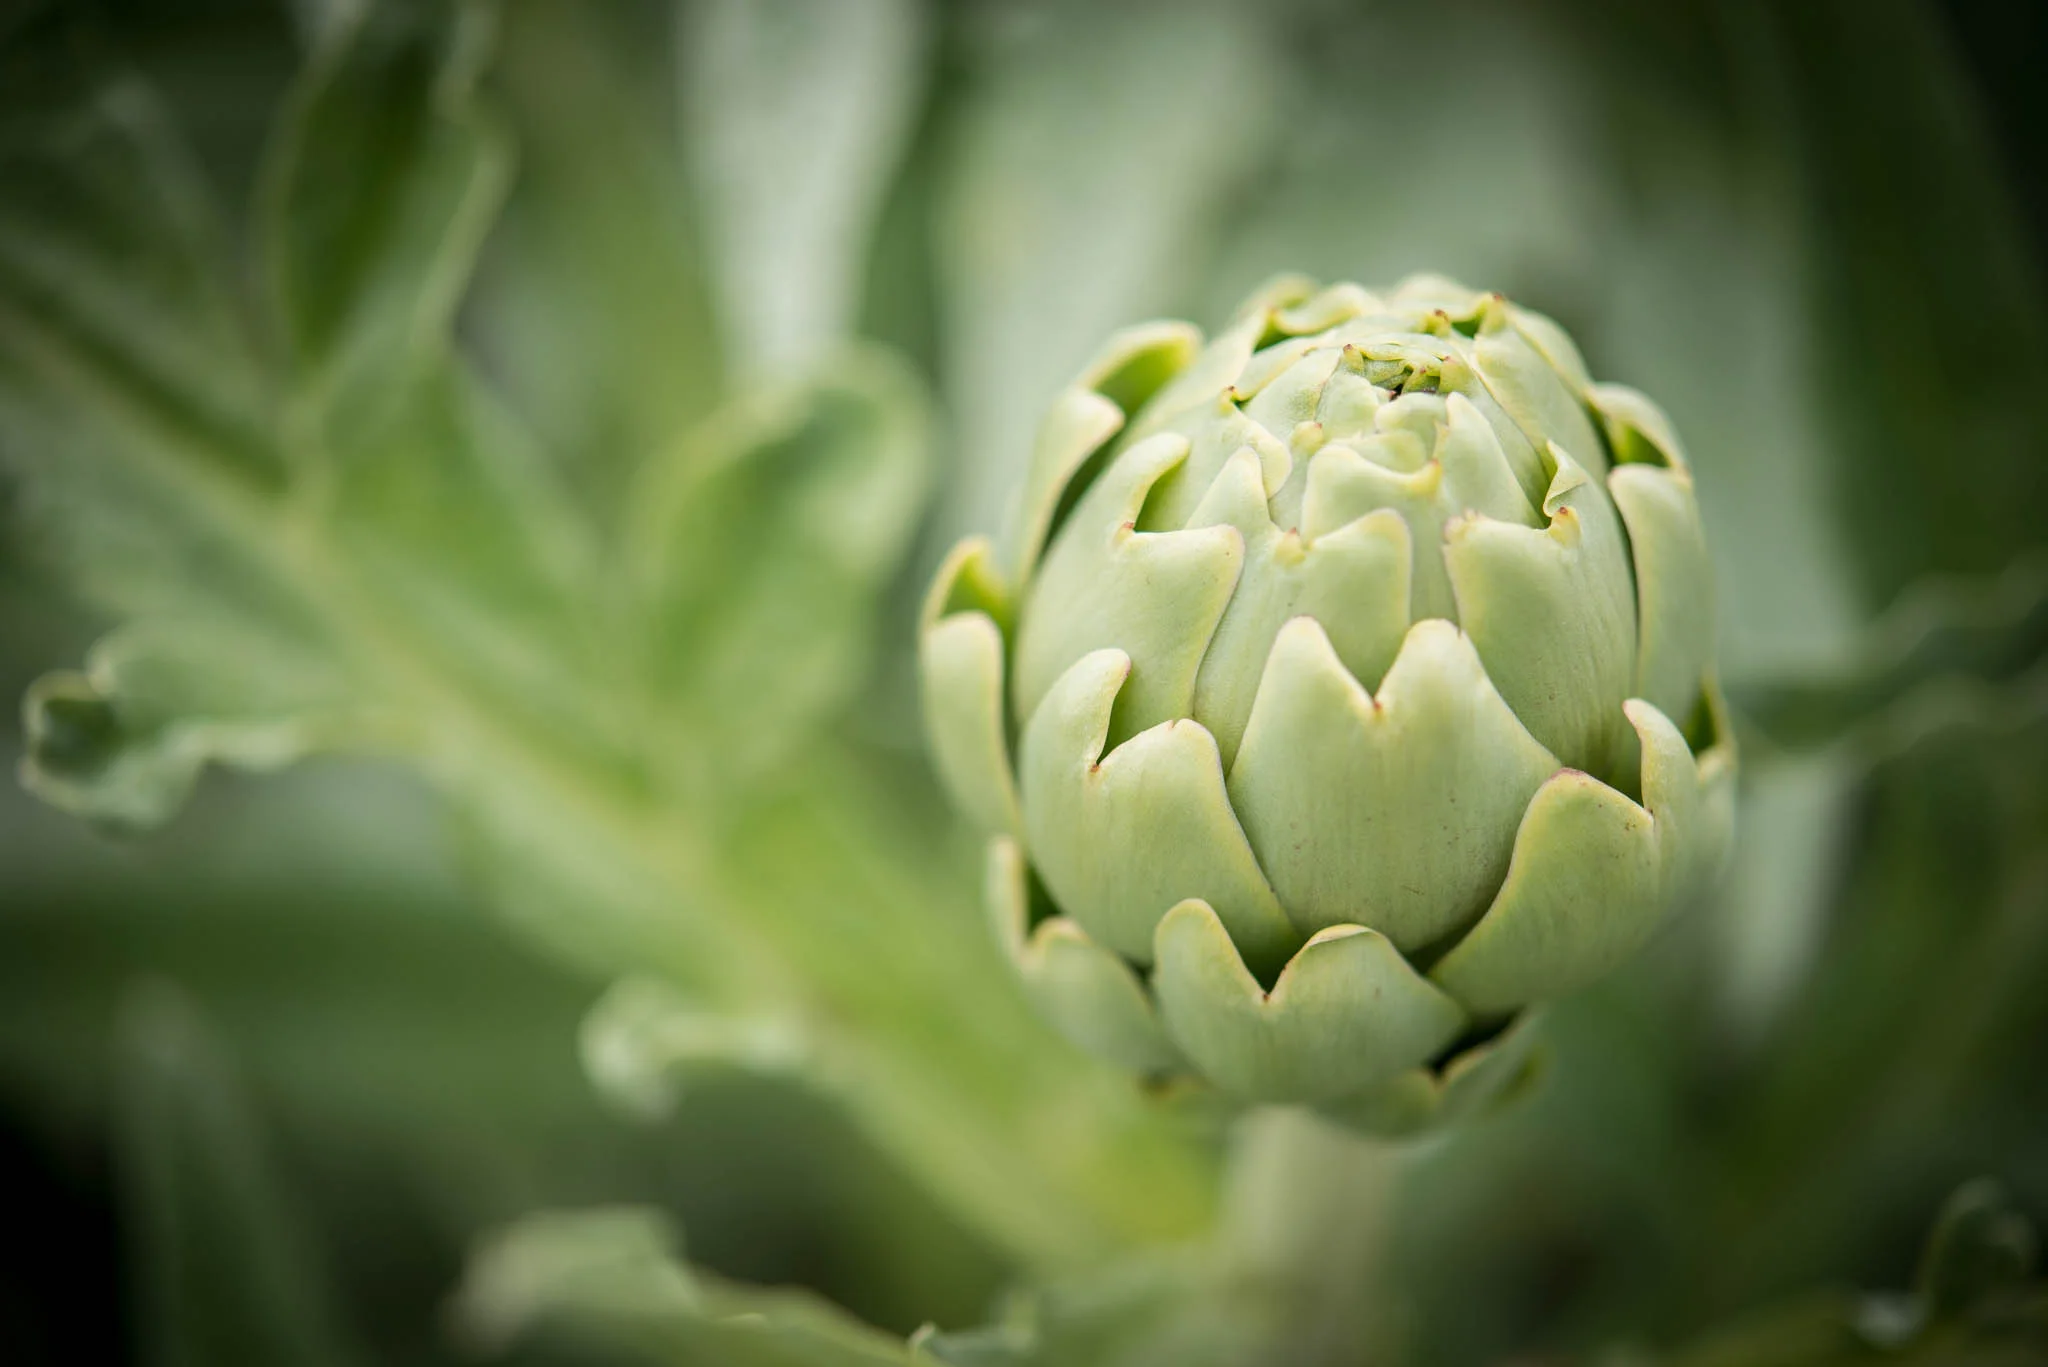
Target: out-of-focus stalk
<point x="1308" y="1213"/>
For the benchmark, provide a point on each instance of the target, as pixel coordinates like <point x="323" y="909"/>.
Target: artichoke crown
<point x="1344" y="690"/>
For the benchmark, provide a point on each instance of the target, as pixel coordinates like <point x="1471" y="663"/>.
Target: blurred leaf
<point x="611" y="1280"/>
<point x="381" y="181"/>
<point x="1090" y="151"/>
<point x="1504" y="187"/>
<point x="367" y="553"/>
<point x="1158" y="1311"/>
<point x="315" y="918"/>
<point x="417" y="1066"/>
<point x="761" y="541"/>
<point x="603" y="712"/>
<point x="1982" y="1249"/>
<point x="1978" y="1302"/>
<point x="1696" y="294"/>
<point x="400" y="538"/>
<point x="592" y="311"/>
<point x="1973" y="640"/>
<point x="452" y="554"/>
<point x="1953" y="654"/>
<point x="225" y="1274"/>
<point x="1769" y="914"/>
<point x="1909" y="1049"/>
<point x="143" y="467"/>
<point x="132" y="404"/>
<point x="1912" y="227"/>
<point x="124" y="741"/>
<point x="797" y="114"/>
<point x="384" y="174"/>
<point x="644" y="1043"/>
<point x="109" y="243"/>
<point x="268" y="579"/>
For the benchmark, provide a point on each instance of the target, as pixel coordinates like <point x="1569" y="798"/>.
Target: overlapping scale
<point x="1532" y="392"/>
<point x="1121" y="837"/>
<point x="1213" y="438"/>
<point x="1466" y="473"/>
<point x="1592" y="876"/>
<point x="1353" y="578"/>
<point x="960" y="664"/>
<point x="1346" y="1012"/>
<point x="1553" y="615"/>
<point x="1674" y="575"/>
<point x="1156" y="596"/>
<point x="1089" y="994"/>
<point x="1131" y="367"/>
<point x="1393" y="810"/>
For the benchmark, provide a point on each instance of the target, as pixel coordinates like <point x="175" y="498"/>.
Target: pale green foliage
<point x="824" y="92"/>
<point x="322" y="529"/>
<point x="612" y="1277"/>
<point x="391" y="548"/>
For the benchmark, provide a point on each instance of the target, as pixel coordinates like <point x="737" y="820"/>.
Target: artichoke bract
<point x="1345" y="689"/>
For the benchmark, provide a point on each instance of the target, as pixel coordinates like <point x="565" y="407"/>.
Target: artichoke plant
<point x="1345" y="689"/>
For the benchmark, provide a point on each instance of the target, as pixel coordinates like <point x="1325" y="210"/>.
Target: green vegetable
<point x="1346" y="690"/>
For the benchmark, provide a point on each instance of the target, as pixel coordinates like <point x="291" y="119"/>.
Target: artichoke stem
<point x="1308" y="1212"/>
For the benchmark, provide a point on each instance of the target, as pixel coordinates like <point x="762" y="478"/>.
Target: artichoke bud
<point x="1344" y="691"/>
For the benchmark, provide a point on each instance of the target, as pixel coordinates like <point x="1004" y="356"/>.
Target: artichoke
<point x="1344" y="691"/>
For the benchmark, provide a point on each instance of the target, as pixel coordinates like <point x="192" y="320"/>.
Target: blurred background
<point x="540" y="417"/>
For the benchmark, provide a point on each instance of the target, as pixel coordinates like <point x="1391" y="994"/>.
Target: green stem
<point x="1308" y="1213"/>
